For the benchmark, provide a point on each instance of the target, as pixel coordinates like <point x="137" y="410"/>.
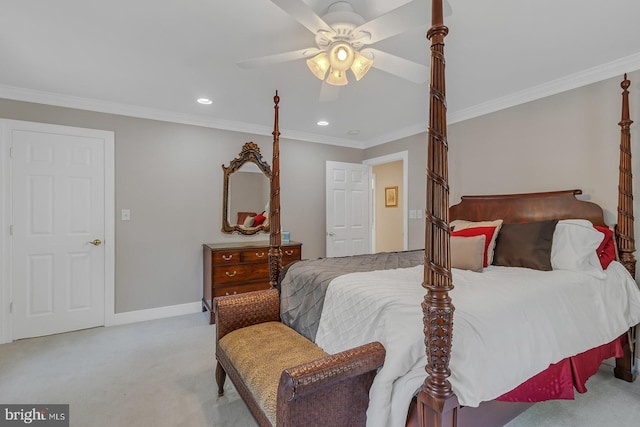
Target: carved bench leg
<point x="221" y="376"/>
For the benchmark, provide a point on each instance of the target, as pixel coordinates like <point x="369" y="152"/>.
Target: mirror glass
<point x="247" y="182"/>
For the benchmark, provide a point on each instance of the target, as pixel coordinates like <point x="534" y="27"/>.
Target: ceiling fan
<point x="343" y="37"/>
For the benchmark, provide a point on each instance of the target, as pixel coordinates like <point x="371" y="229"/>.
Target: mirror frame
<point x="250" y="153"/>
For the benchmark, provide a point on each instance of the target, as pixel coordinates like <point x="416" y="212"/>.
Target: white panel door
<point x="348" y="191"/>
<point x="58" y="225"/>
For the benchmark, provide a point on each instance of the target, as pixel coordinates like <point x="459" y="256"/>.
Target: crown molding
<point x="596" y="74"/>
<point x="80" y="103"/>
<point x="70" y="101"/>
<point x="321" y="139"/>
<point x="396" y="135"/>
<point x="572" y="81"/>
<point x="602" y="72"/>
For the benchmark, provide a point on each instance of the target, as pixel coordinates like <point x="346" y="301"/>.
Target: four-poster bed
<point x="436" y="403"/>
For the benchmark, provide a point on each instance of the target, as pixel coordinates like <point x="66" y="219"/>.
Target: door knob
<point x="330" y="234"/>
<point x="96" y="242"/>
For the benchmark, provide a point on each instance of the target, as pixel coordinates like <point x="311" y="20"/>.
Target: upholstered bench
<point x="285" y="379"/>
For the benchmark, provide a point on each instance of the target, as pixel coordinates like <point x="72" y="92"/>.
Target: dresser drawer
<point x="259" y="254"/>
<point x="240" y="273"/>
<point x="226" y="257"/>
<point x="220" y="291"/>
<point x="237" y="267"/>
<point x="290" y="254"/>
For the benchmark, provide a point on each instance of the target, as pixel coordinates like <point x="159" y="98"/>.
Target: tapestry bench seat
<point x="284" y="378"/>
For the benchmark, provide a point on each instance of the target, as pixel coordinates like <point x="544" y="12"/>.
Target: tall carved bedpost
<point x="275" y="252"/>
<point x="624" y="230"/>
<point x="437" y="405"/>
<point x="625" y="366"/>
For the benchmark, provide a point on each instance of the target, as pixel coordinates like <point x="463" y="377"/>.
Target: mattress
<point x="304" y="283"/>
<point x="509" y="324"/>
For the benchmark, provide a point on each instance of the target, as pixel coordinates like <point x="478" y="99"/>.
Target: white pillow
<point x="574" y="247"/>
<point x="248" y="221"/>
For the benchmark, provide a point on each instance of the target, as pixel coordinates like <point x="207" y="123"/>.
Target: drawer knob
<point x="260" y="255"/>
<point x="288" y="253"/>
<point x="227" y="257"/>
<point x="230" y="274"/>
<point x="227" y="293"/>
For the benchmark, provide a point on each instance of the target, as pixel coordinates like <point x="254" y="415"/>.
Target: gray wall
<point x="566" y="141"/>
<point x="302" y="190"/>
<point x="170" y="176"/>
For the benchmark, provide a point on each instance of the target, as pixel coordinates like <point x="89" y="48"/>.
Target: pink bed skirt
<point x="559" y="380"/>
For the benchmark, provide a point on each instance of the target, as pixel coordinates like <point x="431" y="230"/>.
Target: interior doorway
<point x="57" y="203"/>
<point x="348" y="195"/>
<point x="389" y="202"/>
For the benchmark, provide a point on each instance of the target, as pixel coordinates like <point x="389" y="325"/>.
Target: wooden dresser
<point x="233" y="268"/>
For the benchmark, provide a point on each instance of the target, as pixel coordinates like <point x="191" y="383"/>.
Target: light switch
<point x="126" y="214"/>
<point x="412" y="214"/>
<point x="419" y="214"/>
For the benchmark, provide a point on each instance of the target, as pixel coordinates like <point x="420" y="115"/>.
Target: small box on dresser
<point x="233" y="268"/>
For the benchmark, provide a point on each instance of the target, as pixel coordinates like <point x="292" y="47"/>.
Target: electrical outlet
<point x="125" y="214"/>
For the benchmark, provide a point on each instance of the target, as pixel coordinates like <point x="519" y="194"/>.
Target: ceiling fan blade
<point x="278" y="58"/>
<point x="304" y="15"/>
<point x="399" y="20"/>
<point x="446" y="8"/>
<point x="328" y="92"/>
<point x="409" y="70"/>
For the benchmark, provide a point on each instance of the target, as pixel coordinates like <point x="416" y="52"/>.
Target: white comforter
<point x="509" y="324"/>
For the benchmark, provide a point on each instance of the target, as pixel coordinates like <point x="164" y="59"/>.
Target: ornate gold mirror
<point x="247" y="182"/>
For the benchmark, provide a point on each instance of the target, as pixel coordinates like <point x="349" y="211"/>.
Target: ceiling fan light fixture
<point x="341" y="56"/>
<point x="319" y="65"/>
<point x="337" y="77"/>
<point x="361" y="65"/>
<point x="341" y="53"/>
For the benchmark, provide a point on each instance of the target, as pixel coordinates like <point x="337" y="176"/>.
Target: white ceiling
<point x="153" y="58"/>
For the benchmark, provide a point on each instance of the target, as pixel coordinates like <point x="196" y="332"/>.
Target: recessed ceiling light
<point x="353" y="132"/>
<point x="323" y="123"/>
<point x="205" y="101"/>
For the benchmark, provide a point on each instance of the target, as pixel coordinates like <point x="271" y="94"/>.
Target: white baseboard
<point x="154" y="313"/>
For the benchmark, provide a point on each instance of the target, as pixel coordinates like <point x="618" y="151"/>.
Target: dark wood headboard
<point x="528" y="207"/>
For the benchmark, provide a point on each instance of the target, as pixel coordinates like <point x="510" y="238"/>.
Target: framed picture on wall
<point x="391" y="197"/>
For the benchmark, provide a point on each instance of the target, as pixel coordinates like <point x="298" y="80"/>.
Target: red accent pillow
<point x="607" y="250"/>
<point x="487" y="232"/>
<point x="258" y="220"/>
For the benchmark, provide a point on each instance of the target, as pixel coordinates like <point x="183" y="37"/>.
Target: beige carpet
<point x="161" y="373"/>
